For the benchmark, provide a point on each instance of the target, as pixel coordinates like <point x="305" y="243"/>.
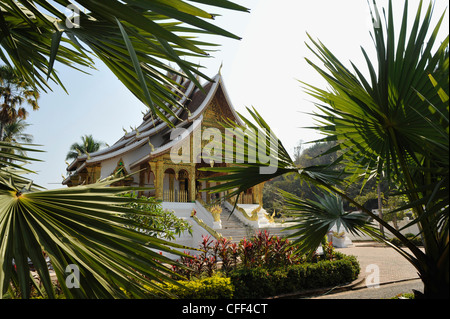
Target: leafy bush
<point x="260" y="282"/>
<point x="252" y="283"/>
<point x="406" y="295"/>
<point x="203" y="264"/>
<point x="157" y="222"/>
<point x="214" y="287"/>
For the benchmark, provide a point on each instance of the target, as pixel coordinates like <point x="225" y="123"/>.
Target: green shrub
<point x="215" y="287"/>
<point x="406" y="295"/>
<point x="252" y="282"/>
<point x="260" y="282"/>
<point x="416" y="240"/>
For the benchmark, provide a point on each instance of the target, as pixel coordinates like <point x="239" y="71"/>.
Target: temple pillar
<point x="258" y="193"/>
<point x="155" y="181"/>
<point x="208" y="196"/>
<point x="171" y="182"/>
<point x="158" y="170"/>
<point x="192" y="184"/>
<point x="93" y="174"/>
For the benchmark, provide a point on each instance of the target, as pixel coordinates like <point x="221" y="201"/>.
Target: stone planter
<point x="338" y="242"/>
<point x="217" y="224"/>
<point x="216" y="216"/>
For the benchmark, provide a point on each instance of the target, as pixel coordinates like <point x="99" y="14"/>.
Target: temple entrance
<point x="147" y="179"/>
<point x="168" y="185"/>
<point x="246" y="197"/>
<point x="207" y="197"/>
<point x="176" y="186"/>
<point x="183" y="187"/>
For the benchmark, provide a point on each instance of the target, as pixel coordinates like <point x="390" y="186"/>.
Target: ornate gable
<point x="217" y="111"/>
<point x="120" y="171"/>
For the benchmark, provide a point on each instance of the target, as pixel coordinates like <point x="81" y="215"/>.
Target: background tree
<point x="318" y="154"/>
<point x="14" y="133"/>
<point x="14" y="92"/>
<point x="88" y="145"/>
<point x="298" y="151"/>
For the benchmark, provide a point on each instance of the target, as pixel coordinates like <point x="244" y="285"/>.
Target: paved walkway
<point x="395" y="274"/>
<point x="373" y="257"/>
<point x="376" y="261"/>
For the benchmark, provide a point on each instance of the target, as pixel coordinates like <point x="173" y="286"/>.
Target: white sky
<point x="261" y="70"/>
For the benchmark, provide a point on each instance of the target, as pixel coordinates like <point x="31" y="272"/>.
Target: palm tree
<point x="85" y="226"/>
<point x="13" y="93"/>
<point x="392" y="125"/>
<point x="14" y="133"/>
<point x="88" y="145"/>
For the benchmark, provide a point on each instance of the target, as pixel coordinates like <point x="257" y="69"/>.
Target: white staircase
<point x="233" y="228"/>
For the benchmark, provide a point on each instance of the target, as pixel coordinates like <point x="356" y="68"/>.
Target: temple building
<point x="144" y="155"/>
<point x="167" y="160"/>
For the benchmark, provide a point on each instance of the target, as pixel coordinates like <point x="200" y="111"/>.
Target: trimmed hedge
<point x="215" y="287"/>
<point x="416" y="240"/>
<point x="260" y="282"/>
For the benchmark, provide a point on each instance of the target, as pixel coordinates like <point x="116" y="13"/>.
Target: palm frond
<point x="394" y="123"/>
<point x="367" y="116"/>
<point x="314" y="219"/>
<point x="137" y="40"/>
<point x="85" y="227"/>
<point x="257" y="156"/>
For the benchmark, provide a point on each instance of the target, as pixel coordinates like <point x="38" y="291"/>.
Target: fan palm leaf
<point x="136" y="39"/>
<point x="394" y="123"/>
<point x="314" y="219"/>
<point x="85" y="227"/>
<point x="273" y="160"/>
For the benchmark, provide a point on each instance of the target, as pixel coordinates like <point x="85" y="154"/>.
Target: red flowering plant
<point x="261" y="250"/>
<point x="328" y="251"/>
<point x="195" y="266"/>
<point x="227" y="252"/>
<point x="267" y="251"/>
<point x="247" y="252"/>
